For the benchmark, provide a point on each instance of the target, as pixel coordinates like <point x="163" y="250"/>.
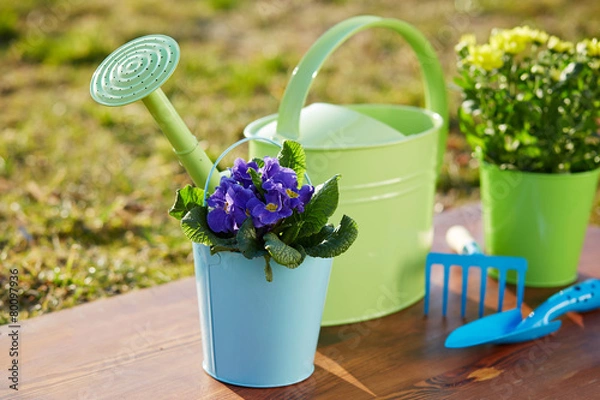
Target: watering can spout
<point x="135" y="71"/>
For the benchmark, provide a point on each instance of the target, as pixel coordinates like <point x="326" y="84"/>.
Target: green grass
<point x="85" y="188"/>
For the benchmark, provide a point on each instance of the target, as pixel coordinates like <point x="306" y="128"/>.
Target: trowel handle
<point x="581" y="297"/>
<point x="294" y="98"/>
<point x="460" y="240"/>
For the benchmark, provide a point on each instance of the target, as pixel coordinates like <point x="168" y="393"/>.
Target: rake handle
<point x="460" y="240"/>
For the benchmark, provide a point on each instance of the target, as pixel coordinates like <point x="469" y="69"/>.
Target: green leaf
<point x="302" y="253"/>
<point x="186" y="199"/>
<point x="340" y="241"/>
<point x="292" y="226"/>
<point x="268" y="269"/>
<point x="322" y="206"/>
<point x="259" y="161"/>
<point x="318" y="237"/>
<point x="281" y="252"/>
<point x="248" y="241"/>
<point x="292" y="156"/>
<point x="256" y="180"/>
<point x="195" y="227"/>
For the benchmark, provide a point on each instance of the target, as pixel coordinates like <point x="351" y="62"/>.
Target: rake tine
<point x="446" y="283"/>
<point x="482" y="290"/>
<point x="501" y="287"/>
<point x="469" y="256"/>
<point x="521" y="282"/>
<point x="465" y="283"/>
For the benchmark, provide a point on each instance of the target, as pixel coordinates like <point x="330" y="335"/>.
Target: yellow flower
<point x="509" y="41"/>
<point x="560" y="46"/>
<point x="533" y="35"/>
<point x="590" y="47"/>
<point x="485" y="56"/>
<point x="465" y="41"/>
<point x="515" y="40"/>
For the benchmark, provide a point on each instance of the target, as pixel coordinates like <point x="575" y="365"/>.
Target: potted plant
<point x="263" y="250"/>
<point x="530" y="111"/>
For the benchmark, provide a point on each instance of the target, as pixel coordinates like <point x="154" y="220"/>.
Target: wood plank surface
<point x="146" y="345"/>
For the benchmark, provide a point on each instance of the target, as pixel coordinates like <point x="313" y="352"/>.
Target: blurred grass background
<point x="85" y="188"/>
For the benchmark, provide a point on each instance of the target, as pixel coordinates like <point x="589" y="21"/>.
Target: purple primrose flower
<point x="237" y="198"/>
<point x="297" y="198"/>
<point x="269" y="212"/>
<point x="284" y="180"/>
<point x="239" y="172"/>
<point x="275" y="176"/>
<point x="228" y="204"/>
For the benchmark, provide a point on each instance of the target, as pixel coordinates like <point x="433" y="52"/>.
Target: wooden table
<point x="146" y="345"/>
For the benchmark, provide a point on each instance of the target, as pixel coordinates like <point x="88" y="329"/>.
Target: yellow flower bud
<point x="465" y="41"/>
<point x="555" y="74"/>
<point x="590" y="47"/>
<point x="560" y="46"/>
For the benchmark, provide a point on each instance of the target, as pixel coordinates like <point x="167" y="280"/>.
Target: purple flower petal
<point x="255" y="207"/>
<point x="219" y="221"/>
<point x="274" y="174"/>
<point x="227" y="204"/>
<point x="240" y="173"/>
<point x="236" y="198"/>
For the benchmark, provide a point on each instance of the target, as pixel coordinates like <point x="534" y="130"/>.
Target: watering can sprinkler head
<point x="136" y="71"/>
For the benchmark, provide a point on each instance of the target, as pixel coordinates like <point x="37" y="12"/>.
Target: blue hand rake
<point x="471" y="256"/>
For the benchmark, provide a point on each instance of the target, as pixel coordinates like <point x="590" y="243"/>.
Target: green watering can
<point x="388" y="156"/>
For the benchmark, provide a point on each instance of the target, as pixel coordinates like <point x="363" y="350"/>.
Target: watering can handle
<point x="294" y="98"/>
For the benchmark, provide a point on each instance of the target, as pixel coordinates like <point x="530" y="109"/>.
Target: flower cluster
<point x="531" y="100"/>
<point x="262" y="210"/>
<point x="267" y="194"/>
<point x="503" y="42"/>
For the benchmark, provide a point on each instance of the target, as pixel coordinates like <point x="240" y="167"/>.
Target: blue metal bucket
<point x="257" y="333"/>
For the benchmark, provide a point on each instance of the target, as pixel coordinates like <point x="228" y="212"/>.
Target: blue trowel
<point x="509" y="327"/>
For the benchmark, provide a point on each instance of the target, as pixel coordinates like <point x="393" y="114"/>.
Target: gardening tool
<point x="470" y="256"/>
<point x="136" y="71"/>
<point x="388" y="156"/>
<point x="509" y="327"/>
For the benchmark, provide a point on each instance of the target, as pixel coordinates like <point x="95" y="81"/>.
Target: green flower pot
<point x="542" y="217"/>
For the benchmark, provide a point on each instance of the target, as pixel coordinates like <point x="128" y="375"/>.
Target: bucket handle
<point x="228" y="150"/>
<point x="294" y="97"/>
